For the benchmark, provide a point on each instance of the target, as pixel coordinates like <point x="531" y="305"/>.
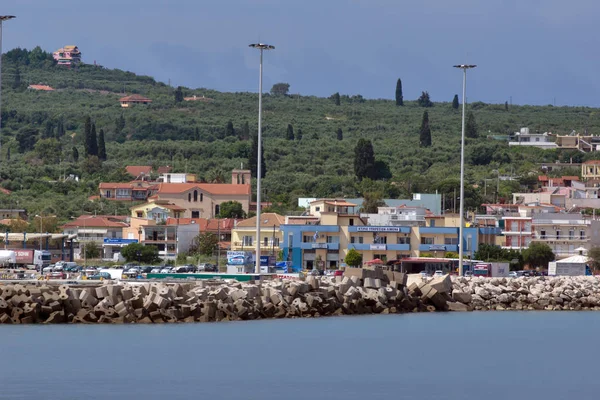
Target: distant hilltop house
<point x="127" y="101"/>
<point x="40" y="87"/>
<point x="198" y="98"/>
<point x="583" y="143"/>
<point x="68" y="55"/>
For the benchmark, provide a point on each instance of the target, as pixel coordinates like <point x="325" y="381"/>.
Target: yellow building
<point x="157" y="210"/>
<point x="243" y="235"/>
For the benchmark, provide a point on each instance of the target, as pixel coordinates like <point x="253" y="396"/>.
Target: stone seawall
<point x="206" y="301"/>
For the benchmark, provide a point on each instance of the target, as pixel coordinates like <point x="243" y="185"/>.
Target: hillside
<point x="191" y="136"/>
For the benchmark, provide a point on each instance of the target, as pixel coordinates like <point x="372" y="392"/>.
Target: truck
<point x="38" y="259"/>
<point x="7" y="258"/>
<point x="494" y="269"/>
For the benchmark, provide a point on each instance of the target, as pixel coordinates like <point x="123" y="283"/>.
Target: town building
<point x="68" y="55"/>
<point x="130" y="100"/>
<point x="127" y="191"/>
<point x="157" y="210"/>
<point x="590" y="169"/>
<point x="430" y="201"/>
<point x="243" y="235"/>
<point x="565" y="233"/>
<point x="222" y="227"/>
<point x="169" y="240"/>
<point x="95" y="228"/>
<point x="540" y="140"/>
<point x="583" y="143"/>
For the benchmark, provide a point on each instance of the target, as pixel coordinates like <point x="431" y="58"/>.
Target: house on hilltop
<point x="45" y="88"/>
<point x="128" y="101"/>
<point x="68" y="55"/>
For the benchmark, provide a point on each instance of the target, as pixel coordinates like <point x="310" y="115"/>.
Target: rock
<point x="461" y="297"/>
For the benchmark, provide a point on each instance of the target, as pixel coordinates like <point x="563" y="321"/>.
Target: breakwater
<point x="359" y="292"/>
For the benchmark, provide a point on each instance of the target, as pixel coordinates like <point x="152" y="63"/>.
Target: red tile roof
<point x="137" y="170"/>
<point x="266" y="219"/>
<point x="98" y="221"/>
<point x="592" y="162"/>
<point x="210" y="225"/>
<point x="115" y="185"/>
<point x="5" y="191"/>
<point x="40" y="87"/>
<point x="164" y="170"/>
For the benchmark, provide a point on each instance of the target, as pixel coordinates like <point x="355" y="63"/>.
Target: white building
<point x="524" y="138"/>
<point x="402" y="215"/>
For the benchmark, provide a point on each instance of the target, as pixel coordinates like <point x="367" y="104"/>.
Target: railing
<point x="251" y="246"/>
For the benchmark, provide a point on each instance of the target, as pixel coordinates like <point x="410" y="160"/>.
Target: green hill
<point x="192" y="136"/>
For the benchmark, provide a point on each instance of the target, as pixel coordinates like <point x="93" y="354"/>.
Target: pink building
<point x="67" y="55"/>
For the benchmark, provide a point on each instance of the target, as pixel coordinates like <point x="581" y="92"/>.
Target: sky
<point x="527" y="51"/>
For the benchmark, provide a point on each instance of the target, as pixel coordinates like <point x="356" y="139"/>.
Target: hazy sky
<point x="537" y="51"/>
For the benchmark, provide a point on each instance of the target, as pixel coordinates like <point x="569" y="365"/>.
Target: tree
<point x="280" y="89"/>
<point x="538" y="255"/>
<point x="120" y="123"/>
<point x="101" y="146"/>
<point x="353" y="258"/>
<point x="91" y="250"/>
<point x="26" y="137"/>
<point x="206" y="243"/>
<point x="229" y="131"/>
<point x="594" y="254"/>
<point x="178" y="94"/>
<point x="399" y="97"/>
<point x="364" y="160"/>
<point x="140" y="252"/>
<point x="75" y="154"/>
<point x="471" y="126"/>
<point x="245" y="133"/>
<point x="87" y="134"/>
<point x="60" y="129"/>
<point x="253" y="158"/>
<point x="425" y="132"/>
<point x="371" y="202"/>
<point x="455" y="102"/>
<point x="299" y="135"/>
<point x="231" y="209"/>
<point x="506" y="106"/>
<point x="290" y="132"/>
<point x="8" y="154"/>
<point x="196" y="134"/>
<point x="340" y="134"/>
<point x="382" y="170"/>
<point x="17" y="82"/>
<point x="336" y="98"/>
<point x="93" y="142"/>
<point x="424" y="100"/>
<point x="48" y="130"/>
<point x="48" y="150"/>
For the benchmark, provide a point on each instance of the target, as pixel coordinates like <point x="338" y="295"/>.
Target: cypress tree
<point x="8" y="154"/>
<point x="336" y="98"/>
<point x="75" y="154"/>
<point x="101" y="146"/>
<point x="290" y="132"/>
<point x="340" y="134"/>
<point x="48" y="130"/>
<point x="93" y="142"/>
<point x="197" y="133"/>
<point x="88" y="135"/>
<point x="364" y="160"/>
<point x="471" y="126"/>
<point x="399" y="97"/>
<point x="17" y="82"/>
<point x="455" y="102"/>
<point x="120" y="123"/>
<point x="178" y="95"/>
<point x="245" y="134"/>
<point x="299" y="134"/>
<point x="229" y="131"/>
<point x="425" y="133"/>
<point x="60" y="129"/>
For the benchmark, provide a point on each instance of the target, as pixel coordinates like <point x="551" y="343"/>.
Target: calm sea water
<point x="423" y="356"/>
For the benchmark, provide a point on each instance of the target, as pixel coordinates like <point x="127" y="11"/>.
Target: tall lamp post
<point x="2" y="19"/>
<point x="261" y="47"/>
<point x="464" y="67"/>
<point x="41" y="228"/>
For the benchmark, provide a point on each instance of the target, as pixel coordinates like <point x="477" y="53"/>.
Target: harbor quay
<point x="359" y="291"/>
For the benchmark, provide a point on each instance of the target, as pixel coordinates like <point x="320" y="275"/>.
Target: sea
<point x="450" y="356"/>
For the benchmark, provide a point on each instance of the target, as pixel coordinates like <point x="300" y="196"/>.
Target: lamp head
<point x="465" y="66"/>
<point x="262" y="46"/>
<point x="6" y="17"/>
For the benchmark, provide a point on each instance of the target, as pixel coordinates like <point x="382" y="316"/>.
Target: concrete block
<point x="101" y="292"/>
<point x="457" y="306"/>
<point x="443" y="284"/>
<point x="462" y="297"/>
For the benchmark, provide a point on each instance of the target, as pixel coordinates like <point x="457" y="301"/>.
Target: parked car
<point x="438" y="273"/>
<point x="182" y="269"/>
<point x="338" y="272"/>
<point x="166" y="270"/>
<point x="146" y="269"/>
<point x="207" y="267"/>
<point x="57" y="275"/>
<point x="424" y="274"/>
<point x="468" y="274"/>
<point x="155" y="270"/>
<point x="513" y="274"/>
<point x="100" y="276"/>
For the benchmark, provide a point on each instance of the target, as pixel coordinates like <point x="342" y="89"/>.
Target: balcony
<point x="252" y="246"/>
<point x="438" y="230"/>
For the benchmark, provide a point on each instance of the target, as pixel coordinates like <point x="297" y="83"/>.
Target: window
<point x="275" y="242"/>
<point x="450" y="241"/>
<point x="139" y="214"/>
<point x="426" y="240"/>
<point x="308" y="238"/>
<point x="189" y="197"/>
<point x="557" y="234"/>
<point x="333" y="239"/>
<point x="542" y="234"/>
<point x="571" y="235"/>
<point x="351" y="223"/>
<point x="107" y="194"/>
<point x="382" y="257"/>
<point x="317" y="208"/>
<point x="379" y="239"/>
<point x="195" y="195"/>
<point x="290" y="240"/>
<point x="195" y="214"/>
<point x="247" y="241"/>
<point x="403" y="240"/>
<point x="217" y="209"/>
<point x="266" y="242"/>
<point x="582" y="235"/>
<point x="123" y="192"/>
<point x="356" y="239"/>
<point x="201" y="197"/>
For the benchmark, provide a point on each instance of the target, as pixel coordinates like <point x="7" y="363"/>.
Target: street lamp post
<point x="2" y="19"/>
<point x="261" y="47"/>
<point x="41" y="228"/>
<point x="464" y="67"/>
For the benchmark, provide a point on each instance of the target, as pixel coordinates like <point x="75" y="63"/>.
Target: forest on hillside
<point x="310" y="143"/>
